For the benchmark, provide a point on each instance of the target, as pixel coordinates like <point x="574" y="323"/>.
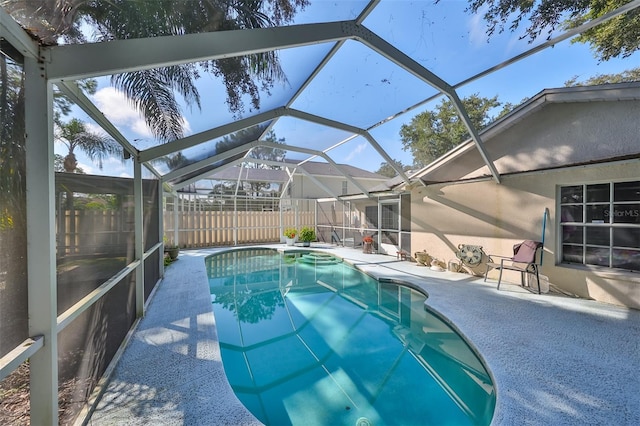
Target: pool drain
<point x="363" y="421"/>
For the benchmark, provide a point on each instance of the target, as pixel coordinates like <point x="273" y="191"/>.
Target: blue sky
<point x="360" y="87"/>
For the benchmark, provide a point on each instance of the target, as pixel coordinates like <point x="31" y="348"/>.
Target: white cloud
<point x="359" y="149"/>
<point x="94" y="128"/>
<point x="115" y="106"/>
<point x="88" y="168"/>
<point x="477" y="30"/>
<point x="186" y="126"/>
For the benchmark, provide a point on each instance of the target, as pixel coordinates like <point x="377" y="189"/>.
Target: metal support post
<point x="41" y="243"/>
<point x="138" y="237"/>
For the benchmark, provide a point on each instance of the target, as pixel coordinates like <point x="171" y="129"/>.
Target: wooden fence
<point x="110" y="231"/>
<point x="223" y="228"/>
<point x="84" y="232"/>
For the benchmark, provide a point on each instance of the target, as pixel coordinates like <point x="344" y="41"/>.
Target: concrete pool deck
<point x="555" y="360"/>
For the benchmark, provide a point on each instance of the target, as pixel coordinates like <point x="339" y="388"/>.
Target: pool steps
<point x="314" y="258"/>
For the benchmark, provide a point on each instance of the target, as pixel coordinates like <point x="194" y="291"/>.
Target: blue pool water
<point x="309" y="340"/>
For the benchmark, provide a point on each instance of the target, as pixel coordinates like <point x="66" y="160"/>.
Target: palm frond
<point x="152" y="94"/>
<point x="97" y="147"/>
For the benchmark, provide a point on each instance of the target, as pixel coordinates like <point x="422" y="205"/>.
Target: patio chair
<point x="524" y="260"/>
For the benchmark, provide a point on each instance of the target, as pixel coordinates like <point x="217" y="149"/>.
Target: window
<point x="390" y="223"/>
<point x="600" y="225"/>
<point x="345" y="187"/>
<point x="371" y="215"/>
<point x="390" y="216"/>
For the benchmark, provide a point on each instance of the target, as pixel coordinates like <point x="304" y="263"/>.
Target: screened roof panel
<point x="359" y="87"/>
<point x="388" y="137"/>
<point x="296" y="63"/>
<point x="445" y="38"/>
<point x="330" y="10"/>
<point x="353" y="151"/>
<point x="300" y="156"/>
<point x="206" y="169"/>
<point x="356" y="88"/>
<point x="306" y="134"/>
<point x="550" y="68"/>
<point x="232" y="143"/>
<point x="387" y="133"/>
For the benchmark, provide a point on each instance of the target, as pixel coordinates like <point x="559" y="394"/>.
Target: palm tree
<point x="75" y="136"/>
<point x="152" y="91"/>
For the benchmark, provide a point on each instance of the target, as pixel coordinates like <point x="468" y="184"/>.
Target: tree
<point x="249" y="305"/>
<point x="223" y="188"/>
<point x="12" y="131"/>
<point x="152" y="91"/>
<point x="13" y="206"/>
<point x="430" y="134"/>
<point x="623" y="77"/>
<point x="265" y="153"/>
<point x="75" y="136"/>
<point x="618" y="37"/>
<point x="62" y="104"/>
<point x="268" y="153"/>
<point x="58" y="165"/>
<point x="388" y="171"/>
<point x="176" y="161"/>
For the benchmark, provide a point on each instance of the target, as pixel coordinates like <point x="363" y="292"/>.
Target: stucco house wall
<point x="552" y="142"/>
<point x="497" y="216"/>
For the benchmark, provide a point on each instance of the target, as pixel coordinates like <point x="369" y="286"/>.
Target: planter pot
<point x="291" y="241"/>
<point x="423" y="258"/>
<point x="172" y="252"/>
<point x="306" y="244"/>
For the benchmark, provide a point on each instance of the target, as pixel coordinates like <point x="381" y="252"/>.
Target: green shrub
<point x="307" y="234"/>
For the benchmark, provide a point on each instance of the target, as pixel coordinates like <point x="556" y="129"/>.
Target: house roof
<point x="250" y="174"/>
<point x="325" y="169"/>
<point x="314" y="168"/>
<point x="556" y="128"/>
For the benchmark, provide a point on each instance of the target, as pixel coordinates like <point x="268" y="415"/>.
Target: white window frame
<point x="581" y="238"/>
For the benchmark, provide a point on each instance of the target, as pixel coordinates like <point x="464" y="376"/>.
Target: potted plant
<point x="290" y="235"/>
<point x="307" y="234"/>
<point x="367" y="244"/>
<point x="171" y="249"/>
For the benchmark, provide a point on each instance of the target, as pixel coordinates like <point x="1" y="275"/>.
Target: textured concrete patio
<point x="555" y="360"/>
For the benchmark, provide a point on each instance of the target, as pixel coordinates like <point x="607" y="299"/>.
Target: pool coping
<point x="553" y="359"/>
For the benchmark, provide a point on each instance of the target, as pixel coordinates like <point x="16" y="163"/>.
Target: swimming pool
<point x="307" y="339"/>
